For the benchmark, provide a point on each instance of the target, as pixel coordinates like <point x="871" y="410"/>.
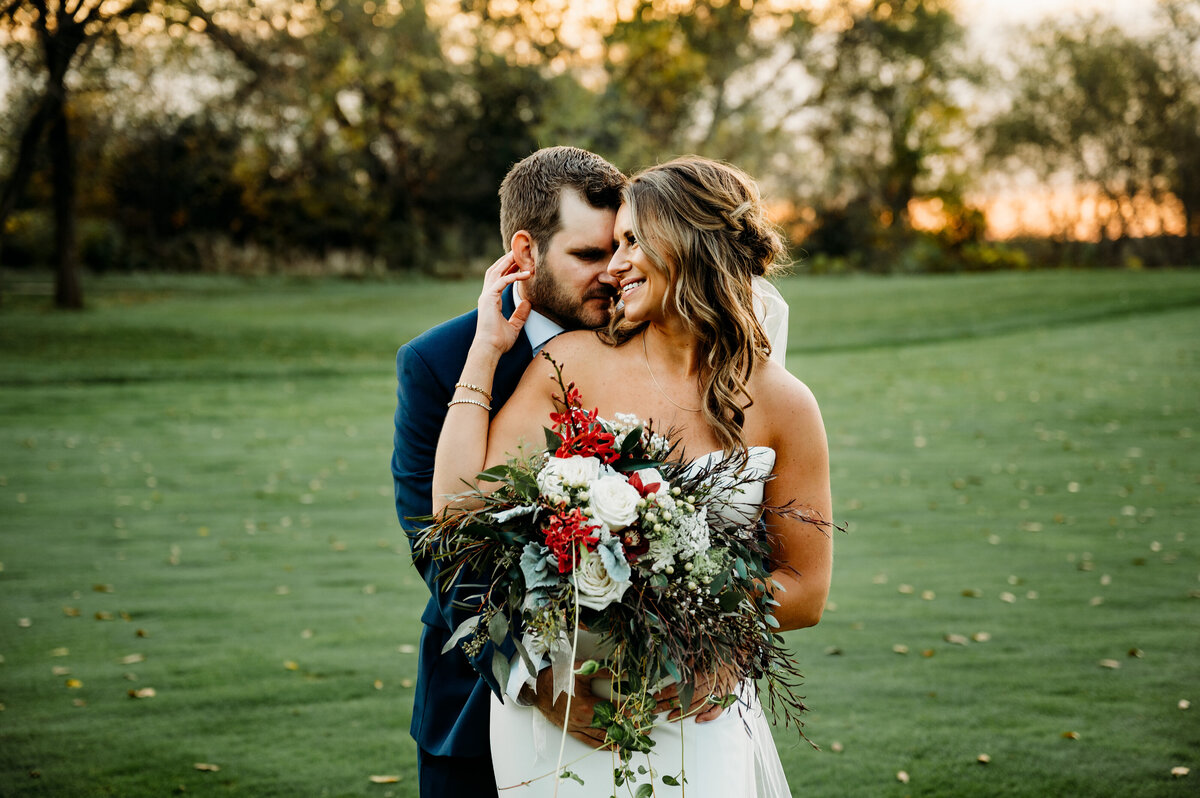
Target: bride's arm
<point x="803" y="550"/>
<point x="463" y="444"/>
<point x="468" y="442"/>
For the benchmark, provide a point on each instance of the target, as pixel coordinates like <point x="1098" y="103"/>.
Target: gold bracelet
<point x="474" y="388"/>
<point x="453" y="402"/>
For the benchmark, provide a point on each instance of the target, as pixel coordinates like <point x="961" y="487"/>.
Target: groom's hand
<point x="583" y="704"/>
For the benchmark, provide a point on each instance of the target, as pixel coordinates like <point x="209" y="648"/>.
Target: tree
<point x="702" y="77"/>
<point x="886" y="122"/>
<point x="64" y="31"/>
<point x="1117" y="113"/>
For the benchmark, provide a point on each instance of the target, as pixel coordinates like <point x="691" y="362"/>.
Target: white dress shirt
<point x="538" y="328"/>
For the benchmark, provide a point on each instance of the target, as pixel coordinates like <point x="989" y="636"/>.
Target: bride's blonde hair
<point x="702" y="223"/>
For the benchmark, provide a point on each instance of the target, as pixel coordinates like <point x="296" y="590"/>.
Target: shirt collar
<point x="538" y="328"/>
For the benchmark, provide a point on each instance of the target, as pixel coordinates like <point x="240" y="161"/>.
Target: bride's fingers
<point x="520" y="315"/>
<point x="587" y="735"/>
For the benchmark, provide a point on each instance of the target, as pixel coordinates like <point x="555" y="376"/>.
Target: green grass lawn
<point x="195" y="508"/>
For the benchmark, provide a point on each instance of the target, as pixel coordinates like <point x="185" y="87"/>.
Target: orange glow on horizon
<point x="1077" y="214"/>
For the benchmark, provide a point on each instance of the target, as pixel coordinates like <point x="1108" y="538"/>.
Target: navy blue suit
<point x="450" y="709"/>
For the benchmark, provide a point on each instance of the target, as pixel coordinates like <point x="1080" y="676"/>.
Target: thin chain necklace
<point x="666" y="396"/>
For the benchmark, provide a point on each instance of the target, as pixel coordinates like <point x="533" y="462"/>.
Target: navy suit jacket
<point x="450" y="709"/>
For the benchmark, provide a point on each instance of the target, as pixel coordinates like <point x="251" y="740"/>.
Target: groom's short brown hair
<point x="531" y="192"/>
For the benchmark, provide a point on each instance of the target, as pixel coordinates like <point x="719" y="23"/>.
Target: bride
<point x="685" y="348"/>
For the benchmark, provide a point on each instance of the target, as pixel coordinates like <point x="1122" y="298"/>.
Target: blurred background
<point x="369" y="136"/>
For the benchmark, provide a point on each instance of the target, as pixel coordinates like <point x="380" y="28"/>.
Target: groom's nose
<point x="606" y="277"/>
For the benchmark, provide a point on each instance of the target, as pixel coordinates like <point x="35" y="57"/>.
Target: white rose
<point x="576" y="472"/>
<point x="597" y="589"/>
<point x="613" y="501"/>
<point x="550" y="485"/>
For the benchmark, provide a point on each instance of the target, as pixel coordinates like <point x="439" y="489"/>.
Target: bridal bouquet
<point x="605" y="530"/>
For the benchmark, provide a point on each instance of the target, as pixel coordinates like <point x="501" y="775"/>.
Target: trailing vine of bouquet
<point x="607" y="529"/>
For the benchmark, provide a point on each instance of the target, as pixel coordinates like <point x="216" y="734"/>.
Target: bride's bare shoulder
<point x="784" y="400"/>
<point x="578" y="352"/>
<point x="579" y="348"/>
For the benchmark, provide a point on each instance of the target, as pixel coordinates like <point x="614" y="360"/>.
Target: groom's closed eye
<point x="590" y="254"/>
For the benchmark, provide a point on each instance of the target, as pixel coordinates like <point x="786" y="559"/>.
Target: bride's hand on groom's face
<point x="582" y="706"/>
<point x="493" y="330"/>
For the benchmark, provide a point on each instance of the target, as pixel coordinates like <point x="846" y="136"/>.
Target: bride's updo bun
<point x="702" y="223"/>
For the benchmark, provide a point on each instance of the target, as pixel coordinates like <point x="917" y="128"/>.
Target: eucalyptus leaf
<point x="498" y="628"/>
<point x="500" y="667"/>
<point x="465" y="628"/>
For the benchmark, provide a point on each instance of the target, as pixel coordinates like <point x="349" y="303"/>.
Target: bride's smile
<point x="643" y="286"/>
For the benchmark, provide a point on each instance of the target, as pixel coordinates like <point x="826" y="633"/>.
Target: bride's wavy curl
<point x="702" y="223"/>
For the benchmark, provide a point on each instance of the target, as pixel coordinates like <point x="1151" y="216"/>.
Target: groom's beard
<point x="571" y="312"/>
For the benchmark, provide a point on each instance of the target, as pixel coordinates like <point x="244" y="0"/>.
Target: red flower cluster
<point x="581" y="432"/>
<point x="565" y="532"/>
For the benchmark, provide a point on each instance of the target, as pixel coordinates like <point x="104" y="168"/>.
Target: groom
<point x="557" y="209"/>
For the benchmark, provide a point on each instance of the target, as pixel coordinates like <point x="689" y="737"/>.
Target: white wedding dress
<point x="733" y="756"/>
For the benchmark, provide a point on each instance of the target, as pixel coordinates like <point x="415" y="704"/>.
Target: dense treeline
<point x="371" y="135"/>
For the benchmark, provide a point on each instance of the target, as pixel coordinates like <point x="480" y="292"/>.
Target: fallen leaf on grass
<point x="981" y="637"/>
<point x="983" y="759"/>
<point x="206" y="767"/>
<point x="291" y="665"/>
<point x="900" y="648"/>
<point x="972" y="593"/>
<point x="1111" y="664"/>
<point x="1180" y="772"/>
<point x="71" y="612"/>
<point x="385" y="779"/>
<point x="60" y="652"/>
<point x="132" y="659"/>
<point x="1136" y="653"/>
<point x="1184" y="703"/>
<point x="957" y="640"/>
<point x="1070" y="735"/>
<point x="74" y="684"/>
<point x="902" y="776"/>
<point x="24" y="623"/>
<point x="61" y="670"/>
<point x="836" y="747"/>
<point x="103" y="615"/>
<point x="144" y="692"/>
<point x="102" y="588"/>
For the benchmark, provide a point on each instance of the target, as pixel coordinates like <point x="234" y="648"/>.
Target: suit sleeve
<point x="420" y="411"/>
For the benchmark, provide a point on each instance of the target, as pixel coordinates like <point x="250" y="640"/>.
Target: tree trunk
<point x="68" y="292"/>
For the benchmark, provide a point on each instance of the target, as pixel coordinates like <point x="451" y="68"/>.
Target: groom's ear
<point x="523" y="250"/>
